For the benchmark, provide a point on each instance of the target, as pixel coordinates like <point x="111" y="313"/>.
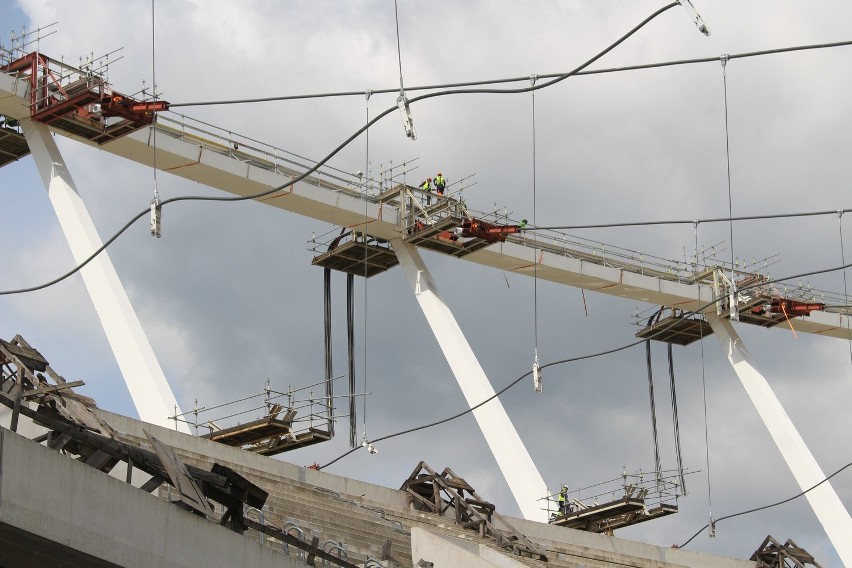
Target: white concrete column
<point x="824" y="501"/>
<point x="515" y="463"/>
<point x="145" y="380"/>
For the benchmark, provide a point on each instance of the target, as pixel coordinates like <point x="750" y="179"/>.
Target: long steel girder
<point x="191" y="158"/>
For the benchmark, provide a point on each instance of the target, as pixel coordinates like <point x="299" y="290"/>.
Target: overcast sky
<point x="228" y="296"/>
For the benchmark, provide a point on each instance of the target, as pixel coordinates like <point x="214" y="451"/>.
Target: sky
<point x="229" y="299"/>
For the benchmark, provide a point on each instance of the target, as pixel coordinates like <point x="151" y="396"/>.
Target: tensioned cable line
<point x="340" y="147"/>
<point x="366" y="248"/>
<point x="523" y="79"/>
<point x="690" y="221"/>
<point x="536" y="375"/>
<point x="704" y="401"/>
<point x="724" y="62"/>
<point x="155" y="202"/>
<point x="660" y="330"/>
<point x="676" y="421"/>
<point x="657" y="462"/>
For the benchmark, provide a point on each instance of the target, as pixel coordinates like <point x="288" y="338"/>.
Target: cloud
<point x="229" y="299"/>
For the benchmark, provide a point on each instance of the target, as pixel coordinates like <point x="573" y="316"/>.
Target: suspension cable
<point x="676" y="422"/>
<point x="603" y="71"/>
<point x="155" y="201"/>
<point x="704" y="400"/>
<point x="657" y="462"/>
<point x="367" y="95"/>
<point x="536" y="377"/>
<point x="350" y="350"/>
<point x="724" y="60"/>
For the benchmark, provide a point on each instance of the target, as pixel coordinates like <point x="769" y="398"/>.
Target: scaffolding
<point x="284" y="421"/>
<point x="617" y="503"/>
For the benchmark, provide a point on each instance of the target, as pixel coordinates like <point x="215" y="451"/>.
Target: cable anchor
<point x="694" y="16"/>
<point x="156" y="210"/>
<point x="536" y="372"/>
<point x="723" y="59"/>
<point x="405" y="112"/>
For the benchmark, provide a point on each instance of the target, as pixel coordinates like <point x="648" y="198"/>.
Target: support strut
<point x="824" y="501"/>
<point x="512" y="457"/>
<point x="142" y="373"/>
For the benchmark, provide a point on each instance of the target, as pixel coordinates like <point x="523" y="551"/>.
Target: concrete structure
<point x="56" y="511"/>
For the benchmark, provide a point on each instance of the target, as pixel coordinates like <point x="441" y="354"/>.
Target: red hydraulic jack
<point x="490" y="232"/>
<point x="794" y="308"/>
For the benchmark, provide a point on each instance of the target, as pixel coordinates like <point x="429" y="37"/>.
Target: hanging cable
<point x="329" y="367"/>
<point x="711" y="523"/>
<point x="499" y="393"/>
<point x="156" y="210"/>
<point x="657" y="463"/>
<point x="367" y="95"/>
<point x="329" y="393"/>
<point x="733" y="301"/>
<point x="350" y="350"/>
<point x="845" y="290"/>
<point x="537" y="386"/>
<point x="676" y="422"/>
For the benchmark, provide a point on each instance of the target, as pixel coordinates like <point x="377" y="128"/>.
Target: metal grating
<point x="359" y="259"/>
<point x="13" y="146"/>
<point x="676" y="329"/>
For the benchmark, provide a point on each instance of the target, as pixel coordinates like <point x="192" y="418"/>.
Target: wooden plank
<point x="181" y="479"/>
<point x="99" y="459"/>
<point x="152" y="483"/>
<point x="45" y="390"/>
<point x="57" y="440"/>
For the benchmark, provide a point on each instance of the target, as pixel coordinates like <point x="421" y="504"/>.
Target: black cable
<point x="676" y="421"/>
<point x="578" y="358"/>
<point x="519" y="79"/>
<point x="340" y="147"/>
<point x="756" y="509"/>
<point x="350" y="350"/>
<point x="657" y="461"/>
<point x="486" y="401"/>
<point x="329" y="372"/>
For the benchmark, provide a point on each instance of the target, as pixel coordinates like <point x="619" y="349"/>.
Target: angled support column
<point x="824" y="501"/>
<point x="145" y="380"/>
<point x="515" y="463"/>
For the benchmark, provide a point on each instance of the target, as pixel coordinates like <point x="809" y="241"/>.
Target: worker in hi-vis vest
<point x="427" y="187"/>
<point x="564" y="505"/>
<point x="440" y="184"/>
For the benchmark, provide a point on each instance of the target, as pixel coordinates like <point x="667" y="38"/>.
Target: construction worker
<point x="427" y="187"/>
<point x="522" y="224"/>
<point x="440" y="184"/>
<point x="564" y="505"/>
